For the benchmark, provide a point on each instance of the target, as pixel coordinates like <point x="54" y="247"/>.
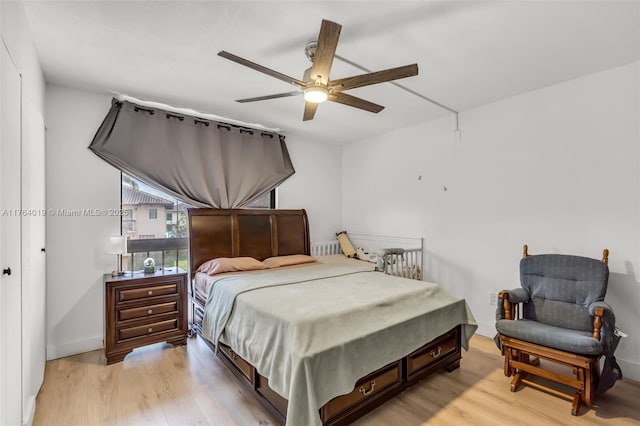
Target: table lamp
<point x="118" y="246"/>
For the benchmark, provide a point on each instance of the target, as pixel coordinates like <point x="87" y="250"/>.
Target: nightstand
<point x="141" y="309"/>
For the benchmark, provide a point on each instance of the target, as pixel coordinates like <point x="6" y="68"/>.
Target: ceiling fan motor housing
<point x="310" y="50"/>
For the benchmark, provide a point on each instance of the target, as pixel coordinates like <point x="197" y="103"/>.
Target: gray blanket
<point x="314" y="330"/>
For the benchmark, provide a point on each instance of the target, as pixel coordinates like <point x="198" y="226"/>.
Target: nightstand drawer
<point x="126" y="295"/>
<point x="147" y="329"/>
<point x="146" y="311"/>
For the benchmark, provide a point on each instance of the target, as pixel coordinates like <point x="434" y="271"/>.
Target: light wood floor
<point x="163" y="385"/>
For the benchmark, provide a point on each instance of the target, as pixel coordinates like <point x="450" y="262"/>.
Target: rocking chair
<point x="558" y="315"/>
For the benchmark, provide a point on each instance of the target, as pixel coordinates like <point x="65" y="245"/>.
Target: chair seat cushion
<point x="563" y="339"/>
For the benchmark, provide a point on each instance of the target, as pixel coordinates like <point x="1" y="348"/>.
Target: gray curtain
<point x="201" y="162"/>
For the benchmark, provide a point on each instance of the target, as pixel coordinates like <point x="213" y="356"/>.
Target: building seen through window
<point x="156" y="225"/>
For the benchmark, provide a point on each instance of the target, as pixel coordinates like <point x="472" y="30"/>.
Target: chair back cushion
<point x="561" y="287"/>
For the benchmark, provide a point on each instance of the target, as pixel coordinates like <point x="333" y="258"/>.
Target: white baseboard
<point x="73" y="348"/>
<point x="29" y="411"/>
<point x="630" y="369"/>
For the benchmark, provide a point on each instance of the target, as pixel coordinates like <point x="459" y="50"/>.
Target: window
<point x="163" y="240"/>
<point x="267" y="201"/>
<point x="155" y="225"/>
<point x="128" y="221"/>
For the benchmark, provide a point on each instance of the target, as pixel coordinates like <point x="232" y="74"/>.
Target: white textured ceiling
<point x="469" y="53"/>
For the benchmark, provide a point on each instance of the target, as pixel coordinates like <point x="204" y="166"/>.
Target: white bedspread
<point x="314" y="330"/>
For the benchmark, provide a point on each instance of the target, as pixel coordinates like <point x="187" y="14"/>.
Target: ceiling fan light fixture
<point x="316" y="84"/>
<point x="316" y="94"/>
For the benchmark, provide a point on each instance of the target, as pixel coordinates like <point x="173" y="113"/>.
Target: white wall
<point x="78" y="179"/>
<point x="316" y="186"/>
<point x="556" y="168"/>
<point x="77" y="245"/>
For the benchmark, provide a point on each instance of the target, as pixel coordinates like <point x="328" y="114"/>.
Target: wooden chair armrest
<point x="597" y="322"/>
<point x="508" y="306"/>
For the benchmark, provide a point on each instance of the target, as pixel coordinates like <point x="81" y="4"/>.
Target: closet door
<point x="10" y="242"/>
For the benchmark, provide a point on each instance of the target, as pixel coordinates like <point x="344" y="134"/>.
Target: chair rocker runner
<point x="559" y="315"/>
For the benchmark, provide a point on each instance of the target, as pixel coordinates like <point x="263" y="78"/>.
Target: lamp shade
<point x="117" y="245"/>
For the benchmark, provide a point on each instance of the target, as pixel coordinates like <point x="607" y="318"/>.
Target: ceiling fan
<point x="316" y="85"/>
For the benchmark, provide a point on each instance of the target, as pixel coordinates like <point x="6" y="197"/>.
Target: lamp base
<point x="117" y="273"/>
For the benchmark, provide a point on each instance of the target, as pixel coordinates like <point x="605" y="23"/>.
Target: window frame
<point x="164" y="245"/>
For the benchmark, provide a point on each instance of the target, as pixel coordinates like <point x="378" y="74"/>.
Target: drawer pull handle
<point x="435" y="354"/>
<point x="234" y="356"/>
<point x="150" y="292"/>
<point x="150" y="330"/>
<point x="365" y="392"/>
<point x="150" y="311"/>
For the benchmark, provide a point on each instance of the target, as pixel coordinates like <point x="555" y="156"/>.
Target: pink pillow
<point x="231" y="264"/>
<point x="293" y="259"/>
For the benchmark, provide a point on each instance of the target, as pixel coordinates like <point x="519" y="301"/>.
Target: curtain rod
<point x="192" y="112"/>
<point x="204" y="121"/>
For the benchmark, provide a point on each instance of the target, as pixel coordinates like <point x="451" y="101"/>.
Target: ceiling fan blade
<point x="325" y="50"/>
<point x="264" y="98"/>
<point x="374" y="77"/>
<point x="257" y="67"/>
<point x="343" y="98"/>
<point x="309" y="110"/>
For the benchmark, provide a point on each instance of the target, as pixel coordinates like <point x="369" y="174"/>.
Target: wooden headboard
<point x="239" y="232"/>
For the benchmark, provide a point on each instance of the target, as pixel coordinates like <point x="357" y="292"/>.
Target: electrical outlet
<point x="493" y="298"/>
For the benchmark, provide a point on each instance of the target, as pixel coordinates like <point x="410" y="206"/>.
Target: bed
<point x="320" y="343"/>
